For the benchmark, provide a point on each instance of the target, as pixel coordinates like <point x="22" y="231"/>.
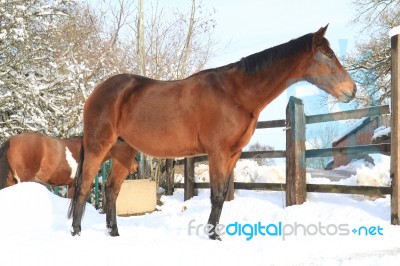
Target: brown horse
<point x="212" y="112"/>
<point x="35" y="157"/>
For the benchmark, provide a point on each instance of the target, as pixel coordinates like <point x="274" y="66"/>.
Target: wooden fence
<point x="296" y="155"/>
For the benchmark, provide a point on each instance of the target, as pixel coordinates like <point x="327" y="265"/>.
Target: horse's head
<point x="134" y="167"/>
<point x="326" y="72"/>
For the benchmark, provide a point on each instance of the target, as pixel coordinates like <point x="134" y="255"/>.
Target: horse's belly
<point x="164" y="146"/>
<point x="56" y="178"/>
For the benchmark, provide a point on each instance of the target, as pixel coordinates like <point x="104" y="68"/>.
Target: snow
<point x="381" y="131"/>
<point x="354" y="165"/>
<point x="350" y="128"/>
<point x="394" y="31"/>
<point x="368" y="174"/>
<point x="34" y="229"/>
<point x="245" y="171"/>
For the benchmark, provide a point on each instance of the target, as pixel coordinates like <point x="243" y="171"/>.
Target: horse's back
<point x="117" y="86"/>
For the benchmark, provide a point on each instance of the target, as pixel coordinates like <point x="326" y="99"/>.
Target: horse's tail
<point x="77" y="184"/>
<point x="4" y="166"/>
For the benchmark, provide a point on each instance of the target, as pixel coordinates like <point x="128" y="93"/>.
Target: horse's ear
<point x="319" y="35"/>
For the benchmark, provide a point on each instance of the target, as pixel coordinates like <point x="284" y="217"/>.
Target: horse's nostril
<point x="354" y="90"/>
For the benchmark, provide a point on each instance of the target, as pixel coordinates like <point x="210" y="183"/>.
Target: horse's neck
<point x="256" y="91"/>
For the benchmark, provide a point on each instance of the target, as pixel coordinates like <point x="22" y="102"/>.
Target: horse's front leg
<point x="221" y="170"/>
<point x="117" y="176"/>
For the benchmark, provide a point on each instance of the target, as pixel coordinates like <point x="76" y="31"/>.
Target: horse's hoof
<point x="215" y="237"/>
<point x="75" y="232"/>
<point x="113" y="231"/>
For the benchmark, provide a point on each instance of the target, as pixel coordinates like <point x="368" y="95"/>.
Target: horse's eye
<point x="331" y="55"/>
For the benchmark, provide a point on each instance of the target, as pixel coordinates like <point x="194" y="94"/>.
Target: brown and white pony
<point x="52" y="161"/>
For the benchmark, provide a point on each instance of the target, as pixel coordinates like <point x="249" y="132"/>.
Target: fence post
<point x="395" y="116"/>
<point x="295" y="153"/>
<point x="189" y="178"/>
<point x="96" y="191"/>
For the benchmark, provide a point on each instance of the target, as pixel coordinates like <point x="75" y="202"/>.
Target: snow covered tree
<point x="28" y="73"/>
<point x="53" y="52"/>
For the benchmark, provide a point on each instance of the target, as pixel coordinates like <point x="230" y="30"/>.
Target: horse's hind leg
<point x="221" y="170"/>
<point x="94" y="155"/>
<point x="113" y="185"/>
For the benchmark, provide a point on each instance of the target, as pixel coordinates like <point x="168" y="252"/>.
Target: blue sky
<point x="254" y="25"/>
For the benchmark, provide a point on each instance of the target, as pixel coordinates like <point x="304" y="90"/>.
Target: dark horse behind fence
<point x="212" y="112"/>
<point x="35" y="157"/>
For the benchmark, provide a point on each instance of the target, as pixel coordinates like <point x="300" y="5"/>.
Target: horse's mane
<point x="259" y="61"/>
<point x="256" y="62"/>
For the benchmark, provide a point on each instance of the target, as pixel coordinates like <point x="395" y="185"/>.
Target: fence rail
<point x="371" y="191"/>
<point x="271" y="124"/>
<point x="372" y="148"/>
<point x="383" y="148"/>
<point x="350" y="114"/>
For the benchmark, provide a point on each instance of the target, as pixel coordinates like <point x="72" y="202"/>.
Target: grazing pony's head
<point x="134" y="169"/>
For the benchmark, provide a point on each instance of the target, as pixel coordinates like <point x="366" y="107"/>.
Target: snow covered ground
<point x="34" y="229"/>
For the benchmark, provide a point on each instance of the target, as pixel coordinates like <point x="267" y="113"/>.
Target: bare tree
<point x="182" y="63"/>
<point x="262" y="147"/>
<point x="141" y="52"/>
<point x="319" y="138"/>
